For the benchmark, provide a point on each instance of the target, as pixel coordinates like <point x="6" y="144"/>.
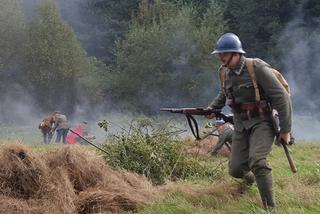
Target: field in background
<point x="31" y="135"/>
<point x="27" y="134"/>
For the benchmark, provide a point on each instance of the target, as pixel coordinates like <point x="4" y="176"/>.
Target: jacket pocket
<point x="245" y="85"/>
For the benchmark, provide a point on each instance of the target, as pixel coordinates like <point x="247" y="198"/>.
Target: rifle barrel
<point x="172" y="110"/>
<point x="97" y="147"/>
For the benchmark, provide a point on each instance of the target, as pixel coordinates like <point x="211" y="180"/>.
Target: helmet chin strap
<point x="229" y="60"/>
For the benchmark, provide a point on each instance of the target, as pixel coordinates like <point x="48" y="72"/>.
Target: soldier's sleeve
<point x="276" y="94"/>
<point x="220" y="100"/>
<point x="229" y="135"/>
<point x="222" y="140"/>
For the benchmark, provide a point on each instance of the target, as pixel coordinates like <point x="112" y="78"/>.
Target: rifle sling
<point x="194" y="127"/>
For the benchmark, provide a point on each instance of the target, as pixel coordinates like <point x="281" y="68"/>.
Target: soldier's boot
<point x="265" y="186"/>
<point x="248" y="181"/>
<point x="249" y="178"/>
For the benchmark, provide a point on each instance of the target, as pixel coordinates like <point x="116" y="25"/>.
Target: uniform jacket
<point x="239" y="86"/>
<point x="47" y="123"/>
<point x="61" y="122"/>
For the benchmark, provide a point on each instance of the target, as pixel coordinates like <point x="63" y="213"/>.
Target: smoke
<point x="300" y="45"/>
<point x="300" y="42"/>
<point x="20" y="111"/>
<point x="17" y="108"/>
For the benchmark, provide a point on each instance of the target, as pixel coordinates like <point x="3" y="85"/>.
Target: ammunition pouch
<point x="251" y="110"/>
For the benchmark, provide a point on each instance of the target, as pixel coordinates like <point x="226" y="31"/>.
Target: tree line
<point x="136" y="55"/>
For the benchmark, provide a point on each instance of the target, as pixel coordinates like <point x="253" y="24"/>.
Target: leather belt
<point x="251" y="110"/>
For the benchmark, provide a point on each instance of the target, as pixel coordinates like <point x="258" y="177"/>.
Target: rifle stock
<point x="276" y="127"/>
<point x="289" y="157"/>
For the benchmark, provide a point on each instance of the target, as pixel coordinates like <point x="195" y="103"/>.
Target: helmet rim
<point x="228" y="43"/>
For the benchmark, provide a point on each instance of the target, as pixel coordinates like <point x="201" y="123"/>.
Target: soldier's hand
<point x="210" y="116"/>
<point x="285" y="137"/>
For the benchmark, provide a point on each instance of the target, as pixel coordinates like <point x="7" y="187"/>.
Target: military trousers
<point x="250" y="148"/>
<point x="62" y="133"/>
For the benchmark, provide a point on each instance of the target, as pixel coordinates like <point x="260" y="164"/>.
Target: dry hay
<point x="27" y="184"/>
<point x="20" y="173"/>
<point x="119" y="191"/>
<point x="203" y="148"/>
<point x="98" y="186"/>
<point x="97" y="201"/>
<point x="84" y="168"/>
<point x="67" y="180"/>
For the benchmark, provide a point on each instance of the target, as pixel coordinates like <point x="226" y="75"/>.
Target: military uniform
<point x="253" y="132"/>
<point x="45" y="126"/>
<point x="225" y="137"/>
<point x="62" y="126"/>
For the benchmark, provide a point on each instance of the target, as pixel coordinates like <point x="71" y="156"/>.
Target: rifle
<point x="189" y="112"/>
<point x="276" y="127"/>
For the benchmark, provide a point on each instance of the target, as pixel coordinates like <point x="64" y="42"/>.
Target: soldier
<point x="253" y="132"/>
<point x="45" y="126"/>
<point x="225" y="131"/>
<point x="61" y="125"/>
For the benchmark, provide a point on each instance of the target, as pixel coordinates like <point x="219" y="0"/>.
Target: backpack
<point x="281" y="79"/>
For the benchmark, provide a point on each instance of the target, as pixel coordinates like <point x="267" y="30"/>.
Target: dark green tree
<point x="55" y="60"/>
<point x="12" y="34"/>
<point x="259" y="24"/>
<point x="163" y="59"/>
<point x="98" y="23"/>
<point x="311" y="12"/>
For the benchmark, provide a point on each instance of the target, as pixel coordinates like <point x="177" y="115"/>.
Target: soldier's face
<point x="230" y="60"/>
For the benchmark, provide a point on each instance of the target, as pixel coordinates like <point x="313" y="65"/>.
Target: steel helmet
<point x="228" y="43"/>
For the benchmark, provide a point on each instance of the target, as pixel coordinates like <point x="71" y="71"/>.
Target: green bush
<point x="154" y="151"/>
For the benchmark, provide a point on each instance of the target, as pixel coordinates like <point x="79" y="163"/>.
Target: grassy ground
<point x="26" y="134"/>
<point x="295" y="193"/>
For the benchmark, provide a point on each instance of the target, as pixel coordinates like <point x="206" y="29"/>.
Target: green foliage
<point x="12" y="34"/>
<point x="166" y="46"/>
<point x="259" y="24"/>
<point x="98" y="23"/>
<point x="154" y="151"/>
<point x="56" y="60"/>
<point x="311" y="12"/>
<point x="104" y="124"/>
<point x="12" y="29"/>
<point x="161" y="55"/>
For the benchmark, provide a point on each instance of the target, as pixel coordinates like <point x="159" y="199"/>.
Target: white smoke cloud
<point x="300" y="45"/>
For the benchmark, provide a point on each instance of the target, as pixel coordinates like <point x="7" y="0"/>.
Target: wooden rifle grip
<point x="289" y="157"/>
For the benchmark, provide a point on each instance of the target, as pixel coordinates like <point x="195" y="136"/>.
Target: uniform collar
<point x="238" y="70"/>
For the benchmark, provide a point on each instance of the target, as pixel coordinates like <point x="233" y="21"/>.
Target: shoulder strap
<point x="249" y="65"/>
<point x="222" y="75"/>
